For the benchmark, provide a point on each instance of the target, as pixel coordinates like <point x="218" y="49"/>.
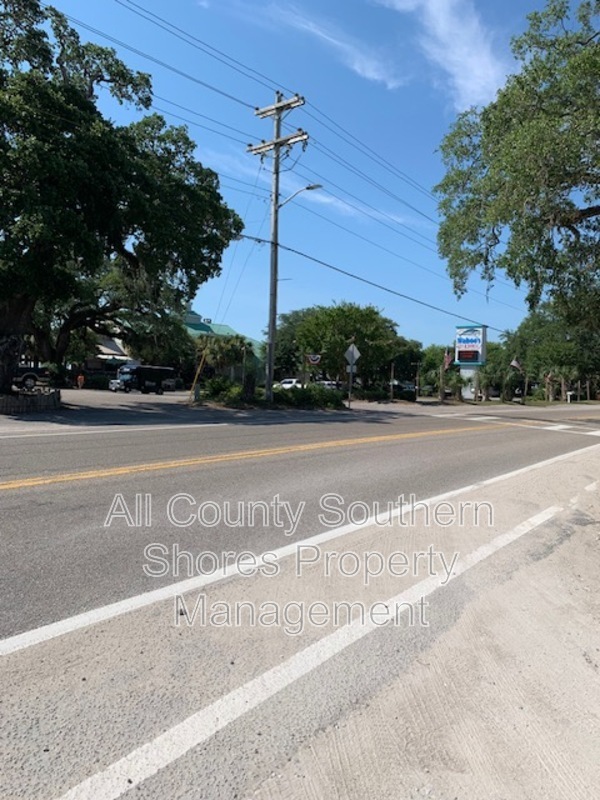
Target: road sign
<point x="352" y="354"/>
<point x="351" y="369"/>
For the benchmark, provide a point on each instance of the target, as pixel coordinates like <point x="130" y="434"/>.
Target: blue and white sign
<point x="470" y="346"/>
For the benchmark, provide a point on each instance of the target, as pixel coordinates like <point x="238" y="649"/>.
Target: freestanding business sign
<point x="470" y="348"/>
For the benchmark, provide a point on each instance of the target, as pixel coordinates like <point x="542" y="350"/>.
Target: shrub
<point x="217" y="388"/>
<point x="234" y="396"/>
<point x="373" y="394"/>
<point x="308" y="397"/>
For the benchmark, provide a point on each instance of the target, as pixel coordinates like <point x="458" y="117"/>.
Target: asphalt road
<point x="65" y="555"/>
<point x="100" y="498"/>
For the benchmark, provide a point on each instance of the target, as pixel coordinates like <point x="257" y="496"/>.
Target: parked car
<point x="327" y="384"/>
<point x="290" y="383"/>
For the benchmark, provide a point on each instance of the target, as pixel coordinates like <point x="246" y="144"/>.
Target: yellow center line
<point x="158" y="466"/>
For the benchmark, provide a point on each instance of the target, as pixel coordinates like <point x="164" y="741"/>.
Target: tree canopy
<point x="95" y="217"/>
<point x="329" y="330"/>
<point x="522" y="183"/>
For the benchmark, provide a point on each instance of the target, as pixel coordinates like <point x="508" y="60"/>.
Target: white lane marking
<point x="113" y="429"/>
<point x="555" y="427"/>
<point x="147" y="760"/>
<point x="484" y="418"/>
<point x="592" y="433"/>
<point x="45" y="633"/>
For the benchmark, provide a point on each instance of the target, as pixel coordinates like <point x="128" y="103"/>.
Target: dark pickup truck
<point x="31" y="378"/>
<point x="145" y="378"/>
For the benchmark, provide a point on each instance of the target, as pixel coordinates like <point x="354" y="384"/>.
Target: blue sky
<point x="383" y="81"/>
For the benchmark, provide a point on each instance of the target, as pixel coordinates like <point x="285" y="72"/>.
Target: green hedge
<point x="309" y="397"/>
<point x="222" y="390"/>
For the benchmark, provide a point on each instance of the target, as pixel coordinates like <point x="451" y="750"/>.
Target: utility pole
<point x="276" y="111"/>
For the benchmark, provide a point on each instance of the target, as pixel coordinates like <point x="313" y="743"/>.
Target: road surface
<point x="398" y="601"/>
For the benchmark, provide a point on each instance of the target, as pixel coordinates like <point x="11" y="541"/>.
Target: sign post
<point x="352" y="355"/>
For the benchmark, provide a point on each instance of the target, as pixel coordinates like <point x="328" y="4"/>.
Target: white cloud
<point x="203" y="3"/>
<point x="357" y="56"/>
<point x="455" y="40"/>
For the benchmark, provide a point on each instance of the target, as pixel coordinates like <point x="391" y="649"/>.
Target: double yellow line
<point x="199" y="461"/>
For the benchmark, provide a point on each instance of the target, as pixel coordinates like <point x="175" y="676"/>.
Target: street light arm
<point x="309" y="188"/>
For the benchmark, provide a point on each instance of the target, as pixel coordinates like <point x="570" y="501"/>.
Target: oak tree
<point x="521" y="191"/>
<point x="95" y="218"/>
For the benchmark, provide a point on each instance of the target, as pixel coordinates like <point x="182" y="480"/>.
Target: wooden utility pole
<point x="276" y="144"/>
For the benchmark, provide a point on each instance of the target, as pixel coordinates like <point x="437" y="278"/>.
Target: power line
<point x="370" y="283"/>
<point x="366" y="150"/>
<point x="245" y="70"/>
<point x="342" y="162"/>
<point x="364" y="239"/>
<point x="198" y="114"/>
<point x="199" y="44"/>
<point x="401" y="257"/>
<point x="216" y="315"/>
<point x="155" y="60"/>
<point x="377" y="211"/>
<point x="196" y="124"/>
<point x="268" y="82"/>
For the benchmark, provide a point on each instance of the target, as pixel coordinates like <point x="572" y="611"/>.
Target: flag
<point x="448" y="359"/>
<point x="514" y="363"/>
<point x="313" y="359"/>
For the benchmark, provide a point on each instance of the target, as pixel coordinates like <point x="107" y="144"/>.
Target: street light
<point x="276" y="205"/>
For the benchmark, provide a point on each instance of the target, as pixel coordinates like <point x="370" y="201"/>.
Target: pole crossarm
<point x="284" y="141"/>
<point x="280" y="106"/>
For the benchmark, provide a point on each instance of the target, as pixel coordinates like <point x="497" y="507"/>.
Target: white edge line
<point x="148" y="759"/>
<point x="45" y="633"/>
<point x="114" y="429"/>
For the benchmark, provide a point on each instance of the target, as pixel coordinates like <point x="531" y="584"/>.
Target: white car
<point x="327" y="384"/>
<point x="290" y="383"/>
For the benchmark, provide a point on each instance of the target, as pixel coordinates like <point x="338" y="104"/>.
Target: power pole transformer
<point x="277" y="110"/>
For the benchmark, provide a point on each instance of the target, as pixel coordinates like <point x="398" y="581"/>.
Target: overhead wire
<point x="252" y="74"/>
<point x="366" y="239"/>
<point x="360" y="278"/>
<point x="264" y="80"/>
<point x="199" y="44"/>
<point x="401" y="257"/>
<point x="372" y="242"/>
<point x="346" y="164"/>
<point x="196" y="124"/>
<point x="356" y="143"/>
<point x="260" y="168"/>
<point x="198" y="114"/>
<point x="165" y="25"/>
<point x="245" y="264"/>
<point x="157" y="61"/>
<point x="378" y="212"/>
